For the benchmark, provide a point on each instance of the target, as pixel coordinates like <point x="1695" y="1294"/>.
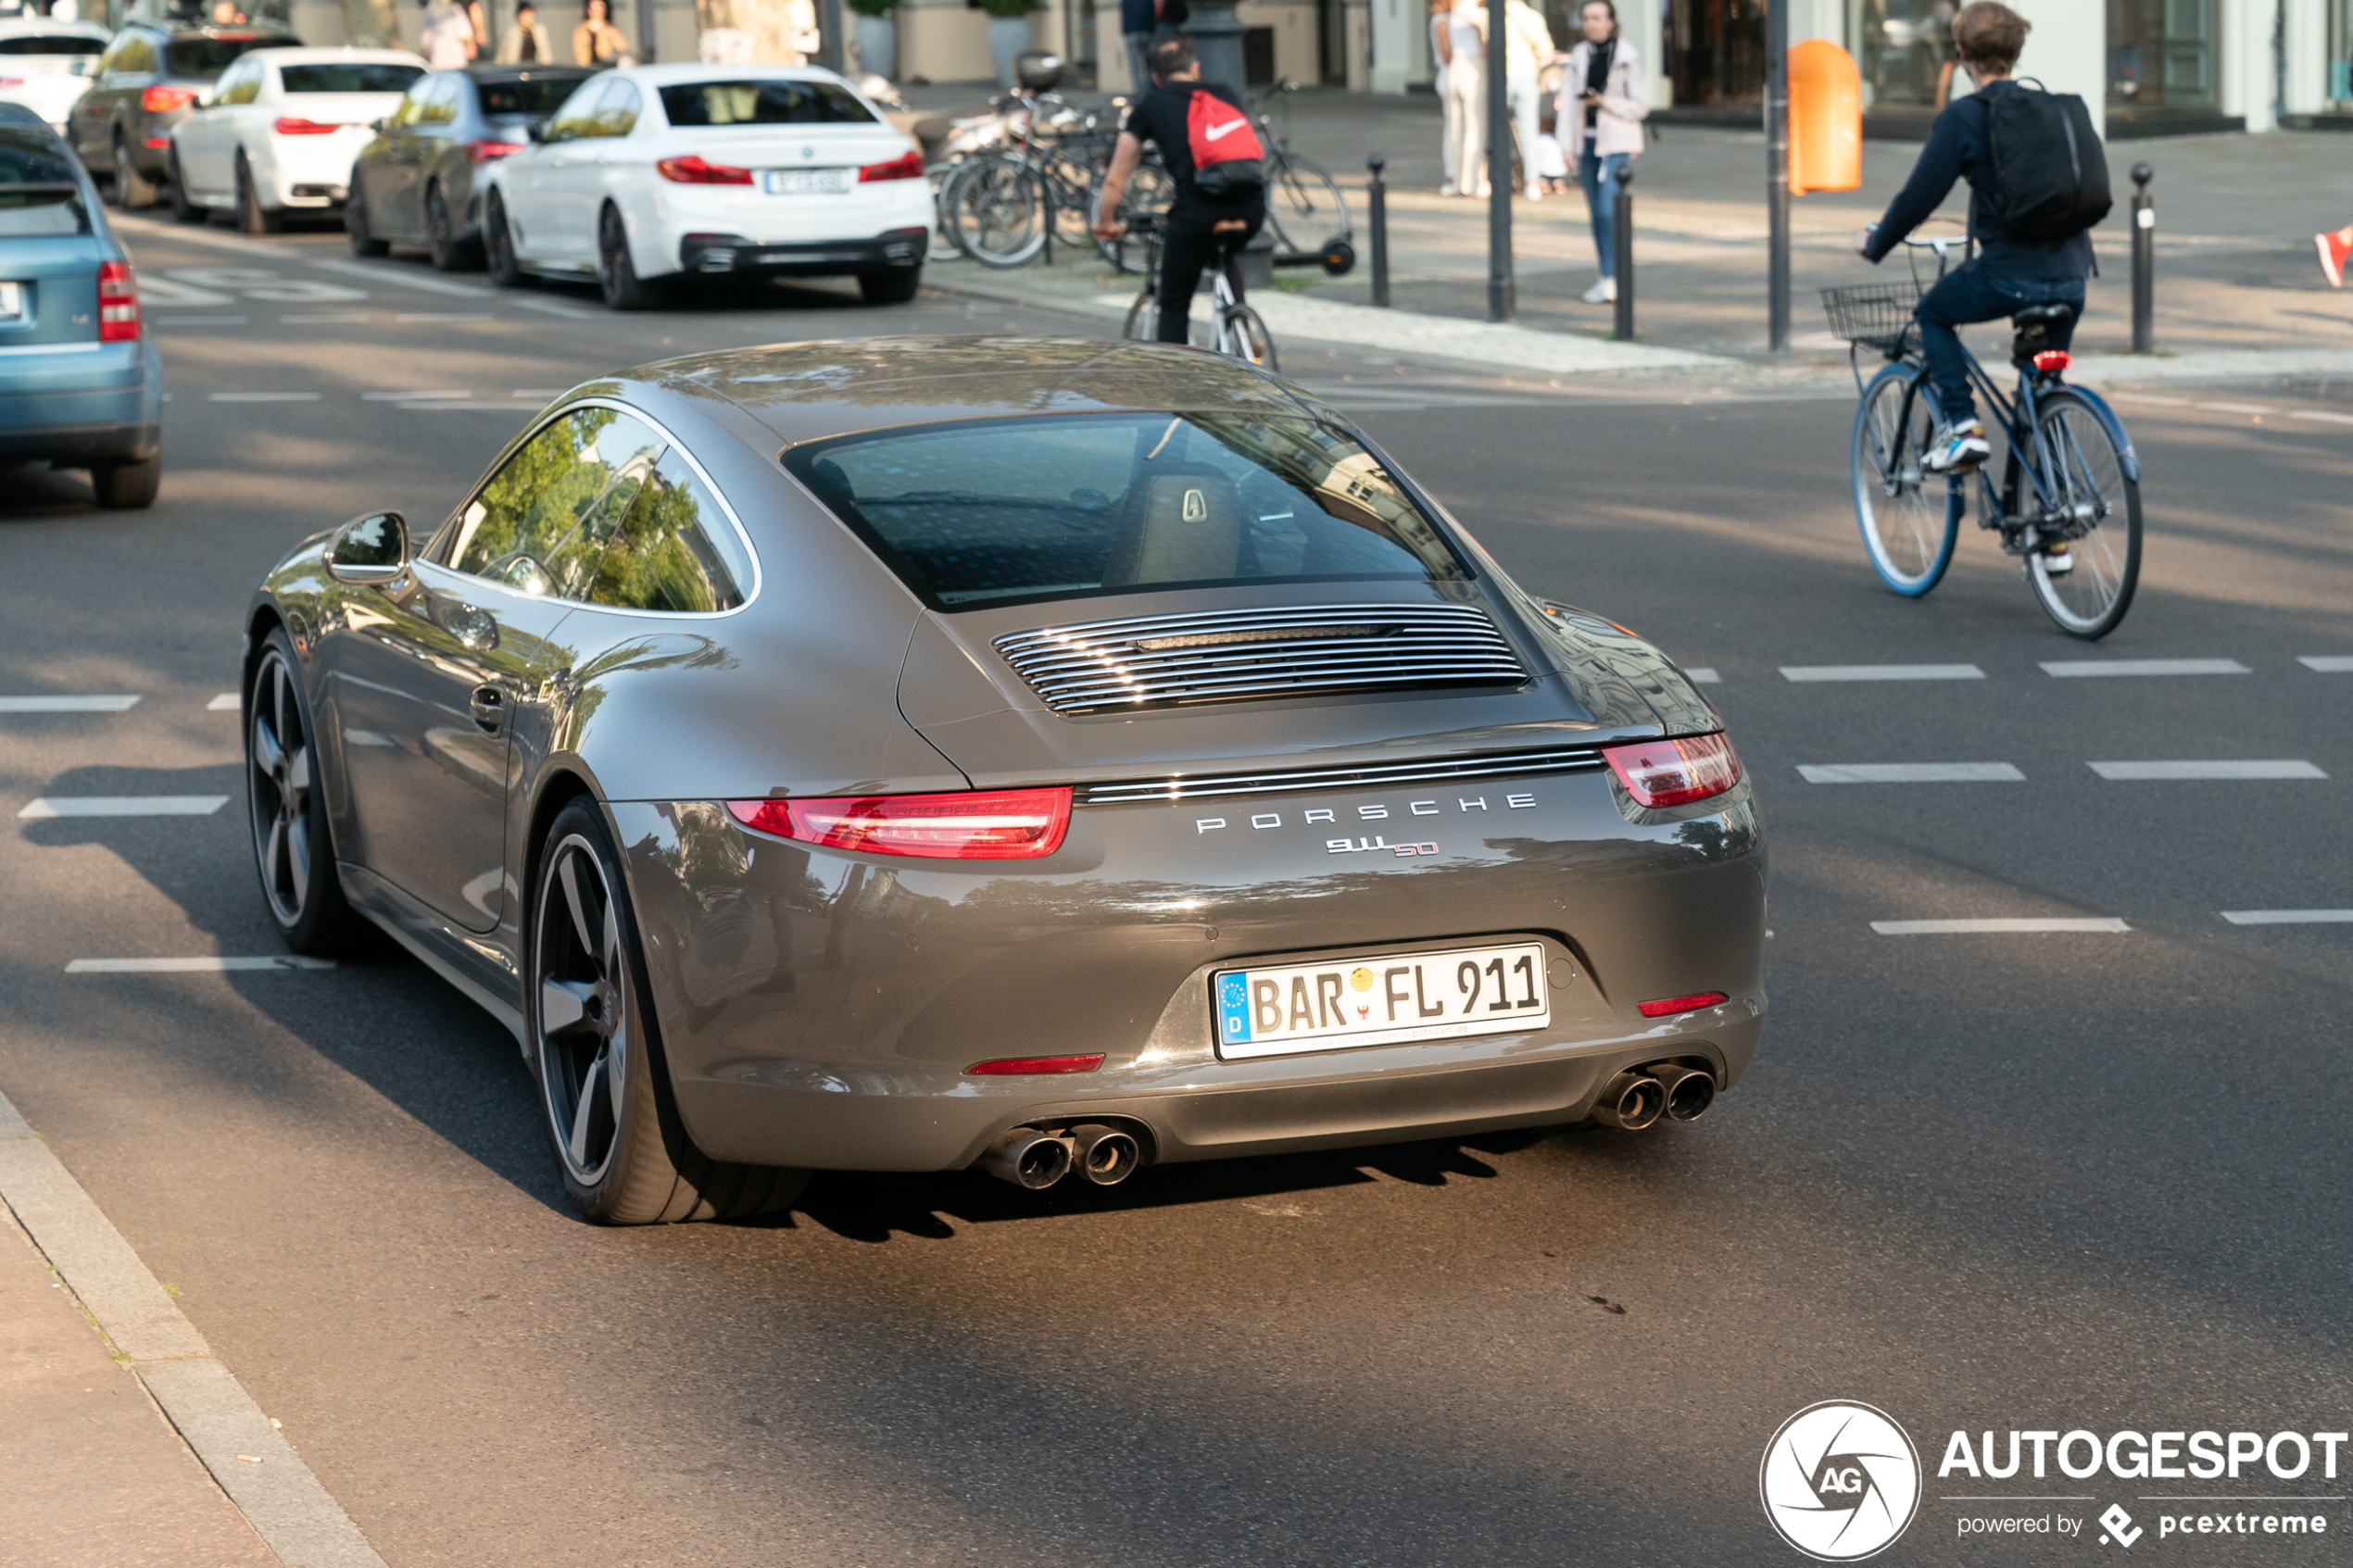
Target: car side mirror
<point x="536" y="130"/>
<point x="372" y="549"/>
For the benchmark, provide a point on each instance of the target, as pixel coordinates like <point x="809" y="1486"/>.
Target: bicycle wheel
<point x="1072" y="167"/>
<point x="1148" y="195"/>
<point x="1247" y="338"/>
<point x="1143" y="318"/>
<point x="1910" y="518"/>
<point x="944" y="177"/>
<point x="1304" y="205"/>
<point x="999" y="211"/>
<point x="2086" y="476"/>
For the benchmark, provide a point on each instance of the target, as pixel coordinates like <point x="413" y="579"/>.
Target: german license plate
<point x="11" y="301"/>
<point x="806" y="182"/>
<point x="1330" y="1006"/>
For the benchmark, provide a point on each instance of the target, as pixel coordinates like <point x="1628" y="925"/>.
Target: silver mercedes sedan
<point x="1051" y="756"/>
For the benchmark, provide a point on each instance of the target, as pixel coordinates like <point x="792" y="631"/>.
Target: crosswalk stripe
<point x="1910" y="772"/>
<point x="108" y="703"/>
<point x="123" y="806"/>
<point x="2328" y="664"/>
<point x="2260" y="767"/>
<point x="225" y="702"/>
<point x="2077" y="667"/>
<point x="192" y="966"/>
<point x="2289" y="917"/>
<point x="1808" y="673"/>
<point x="1991" y="927"/>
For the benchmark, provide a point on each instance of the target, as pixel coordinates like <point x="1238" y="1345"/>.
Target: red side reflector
<point x="163" y="100"/>
<point x="294" y="125"/>
<point x="692" y="170"/>
<point x="1674" y="772"/>
<point x="1667" y="1005"/>
<point x="118" y="303"/>
<point x="908" y="165"/>
<point x="2051" y="360"/>
<point x="1017" y="1066"/>
<point x="989" y="824"/>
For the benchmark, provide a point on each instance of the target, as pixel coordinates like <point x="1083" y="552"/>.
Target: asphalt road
<point x="2050" y="1181"/>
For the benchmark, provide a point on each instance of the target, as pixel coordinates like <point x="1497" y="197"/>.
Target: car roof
<point x="20" y="27"/>
<point x="808" y="391"/>
<point x="526" y="73"/>
<point x="240" y="32"/>
<point x="700" y="70"/>
<point x="303" y="55"/>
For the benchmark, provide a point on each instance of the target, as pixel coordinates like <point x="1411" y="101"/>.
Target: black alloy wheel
<point x="292" y="848"/>
<point x="182" y="209"/>
<point x="252" y="217"/>
<point x="894" y="287"/>
<point x="619" y="1147"/>
<point x="498" y="245"/>
<point x="449" y="252"/>
<point x="354" y="222"/>
<point x="616" y="274"/>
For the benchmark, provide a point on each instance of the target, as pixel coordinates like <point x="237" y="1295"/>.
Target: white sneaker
<point x="1604" y="291"/>
<point x="2057" y="561"/>
<point x="1485" y="191"/>
<point x="1448" y="188"/>
<point x="1535" y="192"/>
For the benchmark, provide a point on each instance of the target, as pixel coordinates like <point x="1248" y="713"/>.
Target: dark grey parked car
<point x="421" y="181"/>
<point x="152" y="77"/>
<point x="1042" y="755"/>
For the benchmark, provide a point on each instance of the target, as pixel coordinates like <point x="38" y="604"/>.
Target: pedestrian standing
<point x="597" y="41"/>
<point x="1528" y="49"/>
<point x="481" y="25"/>
<point x="1603" y="105"/>
<point x="448" y="37"/>
<point x="1466" y="93"/>
<point x="526" y="41"/>
<point x="1450" y="139"/>
<point x="1139" y="24"/>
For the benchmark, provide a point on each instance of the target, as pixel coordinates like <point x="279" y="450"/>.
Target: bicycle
<point x="1234" y="327"/>
<point x="1297" y="187"/>
<point x="2070" y="501"/>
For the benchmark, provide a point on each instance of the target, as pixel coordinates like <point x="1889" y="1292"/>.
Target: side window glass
<point x="441" y="104"/>
<point x="138" y="55"/>
<point x="540" y="526"/>
<point x="242" y="86"/>
<point x="676" y="551"/>
<point x="412" y="103"/>
<point x="617" y="110"/>
<point x="578" y="114"/>
<point x="112" y="58"/>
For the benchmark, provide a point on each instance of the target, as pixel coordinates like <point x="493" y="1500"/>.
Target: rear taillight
<point x="692" y="170"/>
<point x="2051" y="361"/>
<point x="118" y="303"/>
<point x="11" y="80"/>
<point x="1667" y="1007"/>
<point x="163" y="100"/>
<point x="491" y="152"/>
<point x="294" y="125"/>
<point x="1674" y="772"/>
<point x="990" y="824"/>
<point x="906" y="166"/>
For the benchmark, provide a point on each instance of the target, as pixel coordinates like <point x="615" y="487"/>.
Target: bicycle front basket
<point x="1874" y="315"/>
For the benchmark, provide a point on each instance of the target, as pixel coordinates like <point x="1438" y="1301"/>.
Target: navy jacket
<point x="1958" y="149"/>
<point x="1136" y="17"/>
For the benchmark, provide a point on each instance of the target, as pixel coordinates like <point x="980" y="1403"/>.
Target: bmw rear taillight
<point x="908" y="165"/>
<point x="1674" y="772"/>
<point x="692" y="170"/>
<point x="118" y="303"/>
<point x="163" y="100"/>
<point x="487" y="151"/>
<point x="294" y="125"/>
<point x="989" y="824"/>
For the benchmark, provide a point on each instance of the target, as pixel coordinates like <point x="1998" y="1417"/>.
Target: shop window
<point x="2160" y="56"/>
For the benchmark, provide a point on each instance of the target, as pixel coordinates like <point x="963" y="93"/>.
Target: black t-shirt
<point x="1159" y="117"/>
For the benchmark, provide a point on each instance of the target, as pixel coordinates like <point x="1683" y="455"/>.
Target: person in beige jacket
<point x="526" y="41"/>
<point x="1602" y="107"/>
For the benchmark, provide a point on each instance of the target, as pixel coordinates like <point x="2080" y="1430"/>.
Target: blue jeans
<point x="1971" y="295"/>
<point x="1599" y="176"/>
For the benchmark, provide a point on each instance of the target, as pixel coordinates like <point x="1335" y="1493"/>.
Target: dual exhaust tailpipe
<point x="1639" y="1096"/>
<point x="1036" y="1159"/>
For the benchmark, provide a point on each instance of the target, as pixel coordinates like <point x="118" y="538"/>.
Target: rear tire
<point x="999" y="213"/>
<point x="1143" y="318"/>
<point x="354" y="223"/>
<point x="132" y="189"/>
<point x="286" y="801"/>
<point x="1908" y="533"/>
<point x="1249" y="339"/>
<point x="2082" y="461"/>
<point x="128" y="486"/>
<point x="499" y="246"/>
<point x="616" y="272"/>
<point x="894" y="287"/>
<point x="182" y="209"/>
<point x="613" y="1121"/>
<point x="252" y="217"/>
<point x="449" y="252"/>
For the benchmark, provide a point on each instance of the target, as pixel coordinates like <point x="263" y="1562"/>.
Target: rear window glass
<point x="51" y="43"/>
<point x="207" y="57"/>
<point x="32" y="157"/>
<point x="344" y="76"/>
<point x="38" y="192"/>
<point x="543" y="95"/>
<point x="1003" y="511"/>
<point x="763" y="102"/>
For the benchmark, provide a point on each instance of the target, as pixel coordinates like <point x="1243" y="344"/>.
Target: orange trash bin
<point x="1825" y="119"/>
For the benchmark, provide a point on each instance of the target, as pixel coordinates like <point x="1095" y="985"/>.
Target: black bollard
<point x="1377" y="193"/>
<point x="1622" y="251"/>
<point x="2143" y="261"/>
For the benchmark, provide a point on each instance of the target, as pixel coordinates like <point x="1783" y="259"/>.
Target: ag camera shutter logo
<point x="1841" y="1481"/>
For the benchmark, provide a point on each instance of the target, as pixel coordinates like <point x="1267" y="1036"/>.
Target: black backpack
<point x="2050" y="172"/>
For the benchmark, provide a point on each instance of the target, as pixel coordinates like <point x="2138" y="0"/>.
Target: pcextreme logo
<point x="1841" y="1481"/>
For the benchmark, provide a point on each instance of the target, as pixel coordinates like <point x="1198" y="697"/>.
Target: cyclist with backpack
<point x="1214" y="161"/>
<point x="2038" y="183"/>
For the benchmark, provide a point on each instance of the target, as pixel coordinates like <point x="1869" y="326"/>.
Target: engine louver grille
<point x="1578" y="759"/>
<point x="1168" y="660"/>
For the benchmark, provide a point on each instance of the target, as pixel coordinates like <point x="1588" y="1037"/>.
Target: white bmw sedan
<point x="282" y="130"/>
<point x="654" y="173"/>
<point x="48" y="66"/>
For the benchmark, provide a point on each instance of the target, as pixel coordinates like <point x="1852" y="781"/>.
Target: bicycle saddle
<point x="2055" y="313"/>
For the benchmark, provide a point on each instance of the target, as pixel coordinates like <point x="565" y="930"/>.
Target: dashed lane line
<point x="115" y="703"/>
<point x="2319" y="414"/>
<point x="1992" y="927"/>
<point x="194" y="965"/>
<point x="226" y="702"/>
<point x="2070" y="668"/>
<point x="407" y="318"/>
<point x="123" y="806"/>
<point x="1702" y="675"/>
<point x="261" y="398"/>
<point x="2289" y="917"/>
<point x="1811" y="673"/>
<point x="2239" y="407"/>
<point x="410" y="396"/>
<point x="2256" y="768"/>
<point x="1909" y="773"/>
<point x="199" y="320"/>
<point x="347" y="319"/>
<point x="2328" y="664"/>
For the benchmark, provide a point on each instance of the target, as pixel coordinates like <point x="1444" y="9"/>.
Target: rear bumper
<point x="102" y="404"/>
<point x="734" y="255"/>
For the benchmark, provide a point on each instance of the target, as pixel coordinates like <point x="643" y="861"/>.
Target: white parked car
<point x="653" y="173"/>
<point x="48" y="66"/>
<point x="281" y="130"/>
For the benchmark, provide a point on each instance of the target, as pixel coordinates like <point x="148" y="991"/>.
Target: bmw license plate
<point x="806" y="182"/>
<point x="1330" y="1006"/>
<point x="11" y="301"/>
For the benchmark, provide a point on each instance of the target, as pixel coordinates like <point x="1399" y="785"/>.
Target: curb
<point x="204" y="1401"/>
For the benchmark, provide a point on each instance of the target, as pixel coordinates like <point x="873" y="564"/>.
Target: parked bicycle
<point x="2069" y="503"/>
<point x="1032" y="178"/>
<point x="1304" y="205"/>
<point x="1234" y="327"/>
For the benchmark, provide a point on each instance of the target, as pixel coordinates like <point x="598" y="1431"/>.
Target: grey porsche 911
<point x="1048" y="755"/>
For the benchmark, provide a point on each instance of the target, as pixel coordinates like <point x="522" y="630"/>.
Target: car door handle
<point x="489" y="708"/>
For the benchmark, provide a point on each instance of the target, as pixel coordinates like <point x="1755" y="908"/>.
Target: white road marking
<point x="225" y="703"/>
<point x="410" y="396"/>
<point x="194" y="966"/>
<point x="123" y="806"/>
<point x="407" y="317"/>
<point x="1881" y="673"/>
<point x="154" y="290"/>
<point x="344" y="320"/>
<point x="2276" y="768"/>
<point x="2317" y="414"/>
<point x="2328" y="664"/>
<point x="398" y="276"/>
<point x="263" y="397"/>
<point x="2289" y="917"/>
<point x="2239" y="407"/>
<point x="1910" y="772"/>
<point x="1994" y="927"/>
<point x="1704" y="675"/>
<point x="553" y="307"/>
<point x="2072" y="667"/>
<point x="66" y="704"/>
<point x="199" y="320"/>
<point x="455" y="405"/>
<point x="2148" y="397"/>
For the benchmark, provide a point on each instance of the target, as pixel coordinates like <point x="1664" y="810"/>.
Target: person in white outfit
<point x="1603" y="105"/>
<point x="1466" y="93"/>
<point x="1528" y="49"/>
<point x="448" y="36"/>
<point x="1451" y="137"/>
